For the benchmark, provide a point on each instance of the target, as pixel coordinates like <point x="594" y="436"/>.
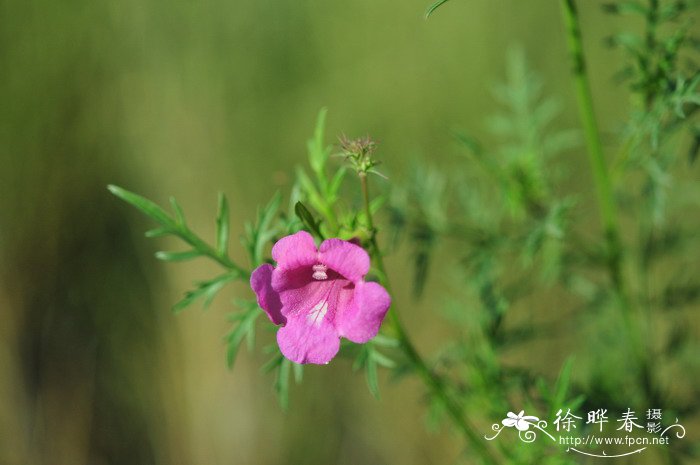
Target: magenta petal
<point x="360" y="321"/>
<point x="299" y="278"/>
<point x="268" y="299"/>
<point x="304" y="342"/>
<point x="348" y="259"/>
<point x="295" y="251"/>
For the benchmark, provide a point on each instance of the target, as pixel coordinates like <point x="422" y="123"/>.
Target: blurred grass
<point x="191" y="98"/>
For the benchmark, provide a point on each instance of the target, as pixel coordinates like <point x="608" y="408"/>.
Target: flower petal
<point x="361" y="320"/>
<point x="295" y="251"/>
<point x="509" y="422"/>
<point x="302" y="341"/>
<point x="348" y="259"/>
<point x="286" y="279"/>
<point x="268" y="299"/>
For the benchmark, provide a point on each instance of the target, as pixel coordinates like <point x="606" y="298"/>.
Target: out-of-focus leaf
<point x="274" y="362"/>
<point x="258" y="235"/>
<point x="157" y="232"/>
<point x="178" y="256"/>
<point x="435" y="414"/>
<point x="179" y="214"/>
<point x="282" y="383"/>
<point x="244" y="328"/>
<point x="337" y="181"/>
<point x="431" y="9"/>
<point x="561" y="387"/>
<point x="694" y="147"/>
<point x="318" y="153"/>
<point x="626" y="7"/>
<point x="369" y="358"/>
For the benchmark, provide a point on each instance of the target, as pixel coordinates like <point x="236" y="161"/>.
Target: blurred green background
<point x="188" y="99"/>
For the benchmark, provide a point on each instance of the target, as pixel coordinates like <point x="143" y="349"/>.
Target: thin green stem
<point x="205" y="249"/>
<point x="604" y="191"/>
<point x="433" y="382"/>
<point x="599" y="167"/>
<point x="606" y="201"/>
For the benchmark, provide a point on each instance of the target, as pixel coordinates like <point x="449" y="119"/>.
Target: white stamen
<point x="315" y="316"/>
<point x="320" y="272"/>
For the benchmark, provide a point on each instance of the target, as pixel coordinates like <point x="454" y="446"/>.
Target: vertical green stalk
<point x="599" y="167"/>
<point x="434" y="383"/>
<point x="604" y="191"/>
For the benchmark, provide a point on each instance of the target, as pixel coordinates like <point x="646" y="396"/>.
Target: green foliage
<point x="244" y="328"/>
<point x="259" y="234"/>
<point x="370" y="358"/>
<point x="418" y="210"/>
<point x="515" y="239"/>
<point x="178" y="227"/>
<point x="321" y="192"/>
<point x="205" y="290"/>
<point x="283" y="369"/>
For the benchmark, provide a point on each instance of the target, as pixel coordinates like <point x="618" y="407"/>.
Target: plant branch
<point x="205" y="249"/>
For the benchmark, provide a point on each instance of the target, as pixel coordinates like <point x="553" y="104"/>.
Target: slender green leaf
<point x="561" y="387"/>
<point x="282" y="383"/>
<point x="178" y="256"/>
<point x="179" y="214"/>
<point x="307" y="218"/>
<point x="146" y="206"/>
<point x="245" y="328"/>
<point x="318" y="153"/>
<point x="383" y="360"/>
<point x="222" y="225"/>
<point x="310" y="190"/>
<point x="273" y="363"/>
<point x="158" y="232"/>
<point x="371" y="375"/>
<point x="336" y="182"/>
<point x="205" y="290"/>
<point x="434" y="7"/>
<point x="385" y="341"/>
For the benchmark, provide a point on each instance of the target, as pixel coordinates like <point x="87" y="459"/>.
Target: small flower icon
<point x="521" y="422"/>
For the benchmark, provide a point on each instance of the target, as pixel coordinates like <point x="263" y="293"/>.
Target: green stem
<point x="205" y="249"/>
<point x="433" y="382"/>
<point x="606" y="200"/>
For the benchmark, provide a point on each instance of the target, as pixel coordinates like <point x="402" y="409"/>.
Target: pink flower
<point x="318" y="296"/>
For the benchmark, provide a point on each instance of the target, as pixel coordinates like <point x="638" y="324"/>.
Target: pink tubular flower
<point x="318" y="296"/>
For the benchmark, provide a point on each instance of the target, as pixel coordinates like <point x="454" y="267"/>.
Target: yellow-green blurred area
<point x="188" y="99"/>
